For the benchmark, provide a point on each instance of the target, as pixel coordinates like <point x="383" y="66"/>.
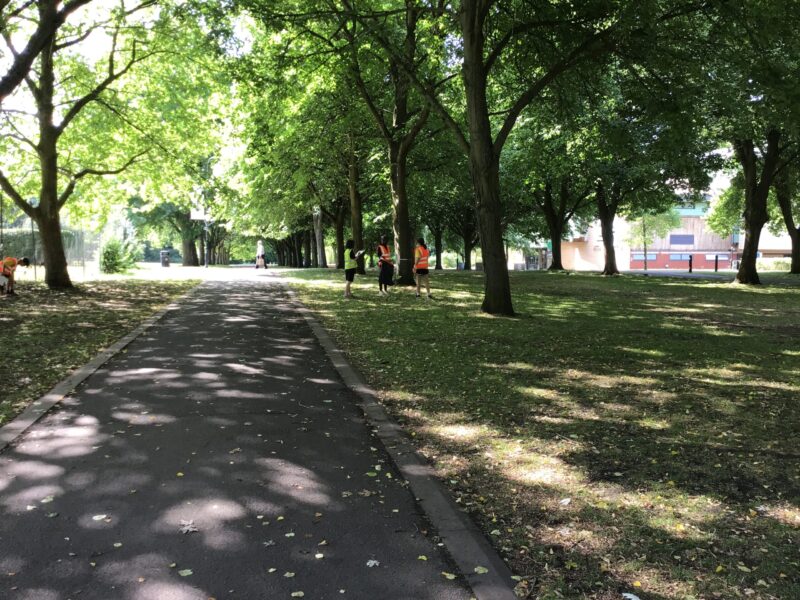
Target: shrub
<point x="774" y="264"/>
<point x="117" y="257"/>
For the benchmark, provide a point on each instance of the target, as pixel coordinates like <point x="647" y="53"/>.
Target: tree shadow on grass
<point x="674" y="401"/>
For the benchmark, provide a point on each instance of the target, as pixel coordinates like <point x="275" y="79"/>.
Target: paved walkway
<point x="227" y="418"/>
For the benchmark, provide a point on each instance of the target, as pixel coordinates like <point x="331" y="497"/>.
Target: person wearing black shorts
<point x="386" y="267"/>
<point x="350" y="265"/>
<point x="421" y="256"/>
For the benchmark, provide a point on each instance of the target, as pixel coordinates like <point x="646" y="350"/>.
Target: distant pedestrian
<point x="385" y="267"/>
<point x="261" y="257"/>
<point x="421" y="255"/>
<point x="350" y="265"/>
<point x="9" y="267"/>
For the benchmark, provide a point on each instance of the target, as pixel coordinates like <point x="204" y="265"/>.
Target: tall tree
<point x="62" y="90"/>
<point x="408" y="117"/>
<point x="509" y="54"/>
<point x="752" y="78"/>
<point x="548" y="161"/>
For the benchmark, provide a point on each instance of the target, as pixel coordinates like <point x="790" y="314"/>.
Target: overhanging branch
<point x="15" y="196"/>
<point x="64" y="196"/>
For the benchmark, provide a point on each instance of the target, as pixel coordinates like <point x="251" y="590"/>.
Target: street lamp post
<point x="205" y="228"/>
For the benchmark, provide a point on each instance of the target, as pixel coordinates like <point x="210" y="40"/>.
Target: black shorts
<point x="422" y="271"/>
<point x="386" y="274"/>
<point x="350" y="275"/>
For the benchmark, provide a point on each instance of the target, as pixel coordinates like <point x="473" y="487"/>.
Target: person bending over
<point x="10" y="265"/>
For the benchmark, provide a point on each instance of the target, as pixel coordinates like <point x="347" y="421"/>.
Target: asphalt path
<point x="220" y="456"/>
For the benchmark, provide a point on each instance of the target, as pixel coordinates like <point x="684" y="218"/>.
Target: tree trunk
<point x="340" y="215"/>
<point x="47" y="214"/>
<point x="756" y="193"/>
<point x="298" y="250"/>
<point x="555" y="223"/>
<point x="312" y="235"/>
<point x="644" y="238"/>
<point x="484" y="164"/>
<point x="606" y="211"/>
<point x="437" y="245"/>
<point x="555" y="227"/>
<point x="401" y="224"/>
<point x="291" y="253"/>
<point x="188" y="252"/>
<point x="280" y="250"/>
<point x="55" y="259"/>
<point x="748" y="271"/>
<point x="306" y="235"/>
<point x="49" y="222"/>
<point x="555" y="241"/>
<point x="356" y="216"/>
<point x="468" y="252"/>
<point x="784" y="193"/>
<point x="485" y="177"/>
<point x="319" y="237"/>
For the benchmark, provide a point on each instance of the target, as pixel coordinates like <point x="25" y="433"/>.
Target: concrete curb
<point x="38" y="408"/>
<point x="465" y="543"/>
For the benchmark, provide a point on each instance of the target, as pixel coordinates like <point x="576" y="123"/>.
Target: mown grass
<point x="46" y="334"/>
<point x="623" y="434"/>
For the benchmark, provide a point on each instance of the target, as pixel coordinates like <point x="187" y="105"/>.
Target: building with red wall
<point x="692" y="239"/>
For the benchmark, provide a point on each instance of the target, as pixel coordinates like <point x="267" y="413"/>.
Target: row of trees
<point x="528" y="115"/>
<point x="479" y="121"/>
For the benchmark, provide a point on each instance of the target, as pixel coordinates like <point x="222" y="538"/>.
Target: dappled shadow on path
<point x="227" y="415"/>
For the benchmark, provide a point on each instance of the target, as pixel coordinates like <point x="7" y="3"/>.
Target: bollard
<point x="716" y="263"/>
<point x="690" y="263"/>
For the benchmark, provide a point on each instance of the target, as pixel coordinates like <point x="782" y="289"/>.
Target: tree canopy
<point x="474" y="122"/>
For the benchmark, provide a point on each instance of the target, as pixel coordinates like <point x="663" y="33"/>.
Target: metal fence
<point x="80" y="246"/>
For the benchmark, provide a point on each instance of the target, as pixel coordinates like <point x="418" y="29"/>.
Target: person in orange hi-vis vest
<point x="421" y="256"/>
<point x="385" y="268"/>
<point x="10" y="265"/>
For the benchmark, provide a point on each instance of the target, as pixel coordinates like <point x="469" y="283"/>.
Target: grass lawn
<point x="623" y="434"/>
<point x="46" y="334"/>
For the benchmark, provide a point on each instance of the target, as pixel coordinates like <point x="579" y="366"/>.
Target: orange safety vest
<point x="386" y="255"/>
<point x="422" y="255"/>
<point x="9" y="265"/>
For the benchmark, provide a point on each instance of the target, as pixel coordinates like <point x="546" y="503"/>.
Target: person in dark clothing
<point x="385" y="267"/>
